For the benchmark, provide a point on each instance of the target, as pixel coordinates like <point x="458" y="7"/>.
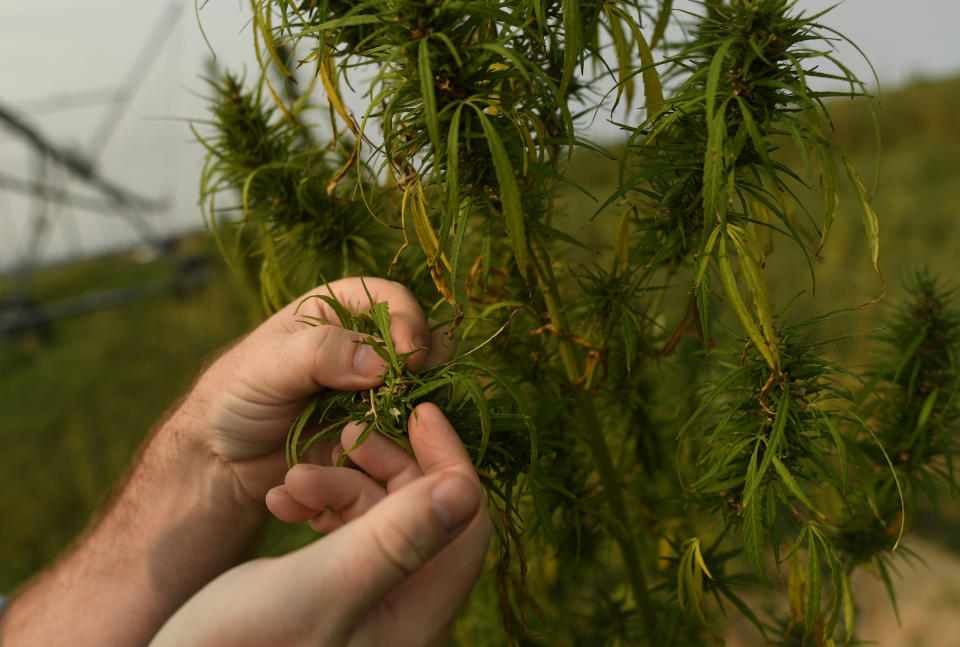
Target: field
<point x="74" y="406"/>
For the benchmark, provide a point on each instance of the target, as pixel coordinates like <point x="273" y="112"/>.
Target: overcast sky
<point x="63" y="57"/>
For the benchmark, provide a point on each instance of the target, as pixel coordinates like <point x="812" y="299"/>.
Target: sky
<point x="63" y="58"/>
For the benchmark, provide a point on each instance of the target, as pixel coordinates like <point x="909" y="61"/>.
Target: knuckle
<point x="398" y="547"/>
<point x="406" y="475"/>
<point x="393" y="286"/>
<point x="325" y="350"/>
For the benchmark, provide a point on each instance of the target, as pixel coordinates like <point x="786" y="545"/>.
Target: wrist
<point x="187" y="442"/>
<point x="175" y="523"/>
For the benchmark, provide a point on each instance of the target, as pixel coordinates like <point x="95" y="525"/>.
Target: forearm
<point x="177" y="522"/>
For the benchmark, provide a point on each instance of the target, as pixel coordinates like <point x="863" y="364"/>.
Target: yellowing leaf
<point x="736" y="301"/>
<point x="421" y="224"/>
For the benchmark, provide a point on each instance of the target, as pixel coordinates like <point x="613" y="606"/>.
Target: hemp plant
<point x="655" y="434"/>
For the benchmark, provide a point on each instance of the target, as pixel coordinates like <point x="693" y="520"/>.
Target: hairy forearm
<point x="178" y="521"/>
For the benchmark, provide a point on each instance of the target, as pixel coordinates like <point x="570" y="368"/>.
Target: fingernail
<point x="453" y="501"/>
<point x="367" y="363"/>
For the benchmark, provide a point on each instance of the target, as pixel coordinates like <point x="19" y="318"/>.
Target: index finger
<point x="436" y="445"/>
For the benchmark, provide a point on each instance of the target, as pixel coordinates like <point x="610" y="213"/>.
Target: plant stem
<point x="594" y="437"/>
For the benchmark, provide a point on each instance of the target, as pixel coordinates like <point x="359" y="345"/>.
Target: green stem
<point x="595" y="440"/>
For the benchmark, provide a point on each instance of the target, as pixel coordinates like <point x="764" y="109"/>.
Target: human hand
<point x="243" y="405"/>
<point x="397" y="566"/>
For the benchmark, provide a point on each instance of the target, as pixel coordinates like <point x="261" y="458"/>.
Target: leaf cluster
<point x="495" y="428"/>
<point x="594" y="386"/>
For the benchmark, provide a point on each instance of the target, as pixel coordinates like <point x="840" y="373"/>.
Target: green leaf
<point x="452" y="179"/>
<point x="713" y="81"/>
<point x="652" y="86"/>
<point x="813" y="587"/>
<point x="705" y="254"/>
<point x="544" y="516"/>
<point x="759" y="145"/>
<point x="757" y="284"/>
<point x="927" y="409"/>
<point x="837" y="573"/>
<point x="736" y="301"/>
<point x="571" y="41"/>
<point x="888" y="583"/>
<point x="698" y="556"/>
<point x="831" y="198"/>
<point x="893" y="473"/>
<point x="509" y="193"/>
<point x="483" y="407"/>
<point x="293" y="436"/>
<point x="773" y="445"/>
<point x="624" y="59"/>
<point x="795" y="586"/>
<point x="714" y="167"/>
<point x="450" y="46"/>
<point x="743" y="607"/>
<point x="346" y="21"/>
<point x="539" y="13"/>
<point x="849" y="609"/>
<point x="753" y="532"/>
<point x="621" y="242"/>
<point x="663" y="19"/>
<point x="871" y="223"/>
<point x="703" y="306"/>
<point x="345" y="318"/>
<point x="787" y="478"/>
<point x="519" y="63"/>
<point x="428" y="92"/>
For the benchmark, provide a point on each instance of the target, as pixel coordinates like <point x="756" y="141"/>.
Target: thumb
<point x="288" y="366"/>
<point x="373" y="554"/>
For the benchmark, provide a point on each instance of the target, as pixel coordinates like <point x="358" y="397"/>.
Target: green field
<point x="74" y="408"/>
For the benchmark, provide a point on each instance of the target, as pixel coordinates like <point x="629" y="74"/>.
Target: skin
<point x="400" y="558"/>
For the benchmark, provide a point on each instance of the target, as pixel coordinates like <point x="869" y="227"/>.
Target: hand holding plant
<point x="242" y="406"/>
<point x="656" y="424"/>
<point x="193" y="501"/>
<point x="396" y="574"/>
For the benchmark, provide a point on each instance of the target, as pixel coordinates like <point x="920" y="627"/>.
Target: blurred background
<point x="112" y="295"/>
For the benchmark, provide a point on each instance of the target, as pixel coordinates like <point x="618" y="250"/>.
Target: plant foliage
<point x="656" y="435"/>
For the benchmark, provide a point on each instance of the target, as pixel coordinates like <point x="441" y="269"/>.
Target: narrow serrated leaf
<point x="888" y="583"/>
<point x="757" y="284"/>
<point x="849" y="609"/>
<point x="831" y="198"/>
<point x="871" y="223"/>
<point x="652" y="86"/>
<point x="428" y="93"/>
<point x="813" y="587"/>
<point x="625" y="77"/>
<point x="796" y="583"/>
<point x="621" y="242"/>
<point x="791" y="484"/>
<point x="483" y="408"/>
<point x="713" y="80"/>
<point x="509" y="193"/>
<point x="772" y="446"/>
<point x="753" y="533"/>
<point x="571" y="41"/>
<point x="736" y="301"/>
<point x="663" y="19"/>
